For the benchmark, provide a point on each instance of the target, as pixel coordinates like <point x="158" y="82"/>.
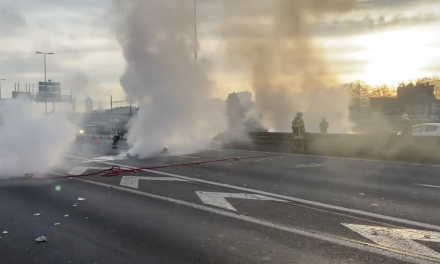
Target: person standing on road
<point x="116" y="135"/>
<point x="299" y="131"/>
<point x="324" y="125"/>
<point x="298" y="127"/>
<point x="406" y="125"/>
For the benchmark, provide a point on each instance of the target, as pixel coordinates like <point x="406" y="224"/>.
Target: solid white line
<point x="426" y="185"/>
<point x="333" y="157"/>
<point x="292" y="199"/>
<point x="368" y="247"/>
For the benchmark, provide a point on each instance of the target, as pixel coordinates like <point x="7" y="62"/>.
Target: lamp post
<point x="45" y="73"/>
<point x="195" y="30"/>
<point x="1" y="87"/>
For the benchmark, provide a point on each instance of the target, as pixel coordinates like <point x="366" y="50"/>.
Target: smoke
<point x="173" y="91"/>
<point x="30" y="141"/>
<point x="83" y="86"/>
<point x="288" y="72"/>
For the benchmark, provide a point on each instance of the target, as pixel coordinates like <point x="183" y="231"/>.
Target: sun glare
<point x="395" y="56"/>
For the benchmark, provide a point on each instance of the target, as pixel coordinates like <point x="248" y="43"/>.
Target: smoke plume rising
<point x="172" y="90"/>
<point x="288" y="72"/>
<point x="30" y="141"/>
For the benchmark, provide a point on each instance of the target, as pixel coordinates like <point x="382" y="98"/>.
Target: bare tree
<point x="381" y="91"/>
<point x="359" y="93"/>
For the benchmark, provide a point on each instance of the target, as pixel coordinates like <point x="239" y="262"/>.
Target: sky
<point x="380" y="41"/>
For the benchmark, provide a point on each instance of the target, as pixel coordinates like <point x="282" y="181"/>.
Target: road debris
<point x="361" y="193"/>
<point x="41" y="239"/>
<point x="37" y="214"/>
<point x="5" y="232"/>
<point x="81" y="199"/>
<point x="66" y="215"/>
<point x="56" y="224"/>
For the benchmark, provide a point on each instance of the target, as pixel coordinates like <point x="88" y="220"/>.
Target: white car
<point x="426" y="129"/>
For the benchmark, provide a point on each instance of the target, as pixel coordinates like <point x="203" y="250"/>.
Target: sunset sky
<point x="379" y="42"/>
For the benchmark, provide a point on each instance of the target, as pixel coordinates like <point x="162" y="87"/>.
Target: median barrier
<point x="387" y="146"/>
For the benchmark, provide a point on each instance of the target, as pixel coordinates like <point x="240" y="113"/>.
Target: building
<point x="88" y="104"/>
<point x="418" y="101"/>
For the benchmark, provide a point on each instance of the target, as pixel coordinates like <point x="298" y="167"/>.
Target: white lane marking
<point x="133" y="181"/>
<point x="309" y="165"/>
<point x="426" y="185"/>
<point x="120" y="156"/>
<point x="289" y="198"/>
<point x="371" y="248"/>
<point x="399" y="238"/>
<point x="218" y="198"/>
<point x="191" y="157"/>
<point x="80" y="170"/>
<point x="328" y="157"/>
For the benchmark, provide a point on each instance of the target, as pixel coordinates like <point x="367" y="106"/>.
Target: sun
<point x="395" y="56"/>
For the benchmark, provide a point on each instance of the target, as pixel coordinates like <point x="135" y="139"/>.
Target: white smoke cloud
<point x="173" y="91"/>
<point x="30" y="141"/>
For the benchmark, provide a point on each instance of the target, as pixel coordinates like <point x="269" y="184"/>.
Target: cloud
<point x="11" y="23"/>
<point x="368" y="24"/>
<point x="387" y="4"/>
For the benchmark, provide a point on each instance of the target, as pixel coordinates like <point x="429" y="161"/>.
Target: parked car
<point x="426" y="129"/>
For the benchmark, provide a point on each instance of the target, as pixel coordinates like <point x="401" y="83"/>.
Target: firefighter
<point x="116" y="135"/>
<point x="298" y="127"/>
<point x="323" y="125"/>
<point x="406" y="125"/>
<point x="298" y="130"/>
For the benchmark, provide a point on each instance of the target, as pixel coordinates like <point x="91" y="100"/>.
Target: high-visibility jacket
<point x="298" y="127"/>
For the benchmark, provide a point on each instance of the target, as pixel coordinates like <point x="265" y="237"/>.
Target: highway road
<point x="243" y="207"/>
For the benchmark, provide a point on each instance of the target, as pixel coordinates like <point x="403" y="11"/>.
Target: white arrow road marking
<point x="80" y="170"/>
<point x="426" y="185"/>
<point x="218" y="198"/>
<point x="399" y="238"/>
<point x="133" y="181"/>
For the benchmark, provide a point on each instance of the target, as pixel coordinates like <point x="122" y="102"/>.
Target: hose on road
<point x="116" y="169"/>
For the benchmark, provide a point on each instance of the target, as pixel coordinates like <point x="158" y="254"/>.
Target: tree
<point x="382" y="91"/>
<point x="359" y="93"/>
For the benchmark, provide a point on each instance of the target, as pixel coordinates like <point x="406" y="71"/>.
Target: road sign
<point x="218" y="198"/>
<point x="133" y="181"/>
<point x="399" y="238"/>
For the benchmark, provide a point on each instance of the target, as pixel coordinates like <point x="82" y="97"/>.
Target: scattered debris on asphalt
<point x="5" y="232"/>
<point x="56" y="224"/>
<point x="81" y="199"/>
<point x="41" y="239"/>
<point x="66" y="215"/>
<point x="37" y="214"/>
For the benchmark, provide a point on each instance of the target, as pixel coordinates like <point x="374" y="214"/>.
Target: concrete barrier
<point x="387" y="146"/>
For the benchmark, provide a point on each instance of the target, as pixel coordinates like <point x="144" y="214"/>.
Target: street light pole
<point x="45" y="80"/>
<point x="1" y="87"/>
<point x="195" y="30"/>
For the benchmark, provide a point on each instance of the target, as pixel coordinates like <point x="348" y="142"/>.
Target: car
<point x="425" y="129"/>
<point x="80" y="134"/>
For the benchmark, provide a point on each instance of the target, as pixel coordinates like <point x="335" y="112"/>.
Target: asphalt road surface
<point x="232" y="207"/>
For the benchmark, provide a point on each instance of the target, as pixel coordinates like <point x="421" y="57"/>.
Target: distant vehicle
<point x="80" y="134"/>
<point x="426" y="129"/>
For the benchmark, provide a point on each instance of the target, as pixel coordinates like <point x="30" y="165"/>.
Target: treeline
<point x="361" y="92"/>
